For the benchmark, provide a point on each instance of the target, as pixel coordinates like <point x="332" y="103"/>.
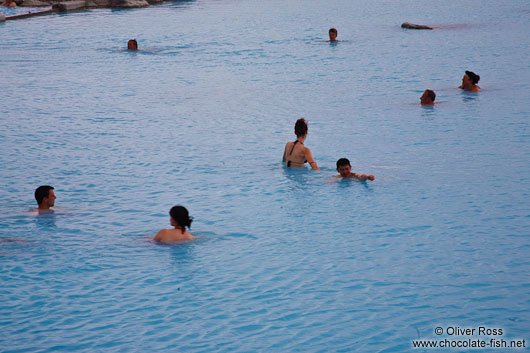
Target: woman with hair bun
<point x="469" y="82"/>
<point x="179" y="219"/>
<point x="295" y="153"/>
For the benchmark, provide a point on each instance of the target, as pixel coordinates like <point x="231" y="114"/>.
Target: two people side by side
<point x="469" y="83"/>
<point x="295" y="155"/>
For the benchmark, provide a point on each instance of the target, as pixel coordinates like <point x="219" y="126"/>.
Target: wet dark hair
<point x="342" y="162"/>
<point x="181" y="216"/>
<point x="473" y="77"/>
<point x="334" y="30"/>
<point x="431" y="94"/>
<point x="300" y="128"/>
<point x="41" y="192"/>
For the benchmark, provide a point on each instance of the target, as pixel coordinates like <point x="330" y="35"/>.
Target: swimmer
<point x="9" y="3"/>
<point x="132" y="44"/>
<point x="333" y="35"/>
<point x="45" y="198"/>
<point x="179" y="219"/>
<point x="414" y="26"/>
<point x="344" y="169"/>
<point x="469" y="82"/>
<point x="428" y="97"/>
<point x="298" y="153"/>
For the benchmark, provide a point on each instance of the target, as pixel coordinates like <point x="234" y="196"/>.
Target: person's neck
<point x="43" y="207"/>
<point x="468" y="87"/>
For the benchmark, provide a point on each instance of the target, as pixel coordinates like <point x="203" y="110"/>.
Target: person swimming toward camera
<point x="180" y="220"/>
<point x="469" y="82"/>
<point x="132" y="44"/>
<point x="344" y="169"/>
<point x="295" y="153"/>
<point x="428" y="97"/>
<point x="333" y="35"/>
<point x="45" y="197"/>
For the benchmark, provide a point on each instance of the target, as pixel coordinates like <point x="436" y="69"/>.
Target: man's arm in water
<point x="362" y="177"/>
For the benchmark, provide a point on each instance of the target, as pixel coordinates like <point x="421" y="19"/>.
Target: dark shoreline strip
<point x="30" y="14"/>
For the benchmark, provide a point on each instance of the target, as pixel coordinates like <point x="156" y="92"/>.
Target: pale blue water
<point x="286" y="260"/>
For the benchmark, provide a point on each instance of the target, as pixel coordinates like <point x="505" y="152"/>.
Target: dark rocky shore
<point x="86" y="4"/>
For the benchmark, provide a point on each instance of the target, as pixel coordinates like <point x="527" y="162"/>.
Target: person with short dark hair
<point x="333" y="35"/>
<point x="428" y="97"/>
<point x="469" y="82"/>
<point x="132" y="44"/>
<point x="295" y="153"/>
<point x="344" y="169"/>
<point x="45" y="197"/>
<point x="179" y="218"/>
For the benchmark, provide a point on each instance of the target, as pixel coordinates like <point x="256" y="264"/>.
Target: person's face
<point x="344" y="170"/>
<point x="332" y="36"/>
<point x="50" y="200"/>
<point x="466" y="80"/>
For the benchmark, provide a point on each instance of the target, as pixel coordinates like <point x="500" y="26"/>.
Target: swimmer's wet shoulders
<point x="172" y="235"/>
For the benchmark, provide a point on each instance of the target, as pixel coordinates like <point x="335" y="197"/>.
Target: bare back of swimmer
<point x="295" y="153"/>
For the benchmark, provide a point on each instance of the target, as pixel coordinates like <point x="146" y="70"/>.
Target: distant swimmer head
<point x="344" y="167"/>
<point x="300" y="128"/>
<point x="333" y="34"/>
<point x="473" y="77"/>
<point x="45" y="196"/>
<point x="132" y="44"/>
<point x="180" y="217"/>
<point x="428" y="97"/>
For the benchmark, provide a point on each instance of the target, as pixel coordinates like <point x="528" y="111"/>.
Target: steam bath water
<point x="286" y="259"/>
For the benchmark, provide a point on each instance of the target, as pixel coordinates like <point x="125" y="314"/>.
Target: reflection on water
<point x="428" y="111"/>
<point x="45" y="221"/>
<point x="470" y="96"/>
<point x="344" y="183"/>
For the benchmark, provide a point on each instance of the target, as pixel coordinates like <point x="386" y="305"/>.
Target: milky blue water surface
<point x="285" y="260"/>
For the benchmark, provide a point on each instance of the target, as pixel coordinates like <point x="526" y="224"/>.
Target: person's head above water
<point x="333" y="34"/>
<point x="428" y="97"/>
<point x="180" y="218"/>
<point x="344" y="167"/>
<point x="132" y="44"/>
<point x="473" y="77"/>
<point x="300" y="128"/>
<point x="45" y="197"/>
<point x="469" y="82"/>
